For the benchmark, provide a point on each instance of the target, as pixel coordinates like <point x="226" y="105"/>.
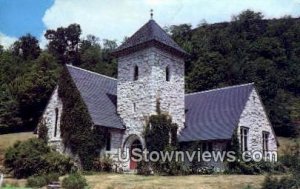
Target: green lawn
<point x="125" y="181"/>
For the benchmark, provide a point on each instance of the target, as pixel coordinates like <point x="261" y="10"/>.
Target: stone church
<point x="151" y="67"/>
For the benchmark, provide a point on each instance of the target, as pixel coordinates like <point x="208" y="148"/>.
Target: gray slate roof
<point x="210" y="115"/>
<point x="152" y="33"/>
<point x="99" y="94"/>
<point x="214" y="114"/>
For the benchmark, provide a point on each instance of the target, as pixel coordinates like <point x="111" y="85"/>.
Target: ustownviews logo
<point x="138" y="155"/>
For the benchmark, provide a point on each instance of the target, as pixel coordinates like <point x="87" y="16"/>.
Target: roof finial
<point x="151" y="14"/>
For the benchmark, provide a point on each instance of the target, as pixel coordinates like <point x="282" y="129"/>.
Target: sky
<point x="115" y="19"/>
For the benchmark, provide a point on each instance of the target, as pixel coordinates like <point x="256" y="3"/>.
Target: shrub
<point x="104" y="163"/>
<point x="161" y="135"/>
<point x="284" y="182"/>
<point x="143" y="168"/>
<point x="36" y="182"/>
<point x="52" y="177"/>
<point x="34" y="157"/>
<point x="205" y="170"/>
<point x="40" y="181"/>
<point x="56" y="162"/>
<point x="74" y="181"/>
<point x="254" y="168"/>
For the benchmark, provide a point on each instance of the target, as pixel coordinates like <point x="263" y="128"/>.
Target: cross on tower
<point x="151" y="14"/>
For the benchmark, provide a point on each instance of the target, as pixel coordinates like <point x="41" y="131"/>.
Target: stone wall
<point x="255" y="119"/>
<point x="137" y="99"/>
<point x="49" y="117"/>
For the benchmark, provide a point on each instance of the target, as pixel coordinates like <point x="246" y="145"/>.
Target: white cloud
<point x="6" y="41"/>
<point x="115" y="19"/>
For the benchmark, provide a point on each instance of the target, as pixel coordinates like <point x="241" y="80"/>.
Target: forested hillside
<point x="247" y="49"/>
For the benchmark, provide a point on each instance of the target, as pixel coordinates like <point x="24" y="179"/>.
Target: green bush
<point x="254" y="168"/>
<point x="52" y="177"/>
<point x="74" y="181"/>
<point x="36" y="182"/>
<point x="40" y="181"/>
<point x="161" y="135"/>
<point x="286" y="182"/>
<point x="104" y="163"/>
<point x="143" y="168"/>
<point x="34" y="157"/>
<point x="58" y="163"/>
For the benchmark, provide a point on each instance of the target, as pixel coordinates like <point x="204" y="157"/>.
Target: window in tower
<point x="136" y="73"/>
<point x="167" y="73"/>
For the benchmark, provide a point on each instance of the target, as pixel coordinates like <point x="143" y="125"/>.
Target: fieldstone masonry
<point x="137" y="100"/>
<point x="255" y="119"/>
<point x="49" y="117"/>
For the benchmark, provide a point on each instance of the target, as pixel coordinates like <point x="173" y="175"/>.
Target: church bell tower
<point x="150" y="69"/>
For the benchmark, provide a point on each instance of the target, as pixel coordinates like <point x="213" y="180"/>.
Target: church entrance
<point x="136" y="144"/>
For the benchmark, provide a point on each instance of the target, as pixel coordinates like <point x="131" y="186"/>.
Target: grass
<point x="126" y="181"/>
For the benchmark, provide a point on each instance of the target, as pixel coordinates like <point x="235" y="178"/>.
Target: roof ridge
<point x="69" y="65"/>
<point x="117" y="49"/>
<point x="150" y="34"/>
<point x="217" y="89"/>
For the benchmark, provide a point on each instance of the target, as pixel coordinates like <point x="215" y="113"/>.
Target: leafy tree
<point x="26" y="90"/>
<point x="1" y="49"/>
<point x="64" y="43"/>
<point x="109" y="44"/>
<point x="27" y="47"/>
<point x="96" y="58"/>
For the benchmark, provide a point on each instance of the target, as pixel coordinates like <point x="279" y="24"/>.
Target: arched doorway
<point x="136" y="144"/>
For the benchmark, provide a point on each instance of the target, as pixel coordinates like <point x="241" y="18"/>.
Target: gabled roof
<point x="210" y="115"/>
<point x="151" y="34"/>
<point x="99" y="94"/>
<point x="214" y="114"/>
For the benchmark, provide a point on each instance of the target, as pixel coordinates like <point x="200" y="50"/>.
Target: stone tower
<point x="150" y="69"/>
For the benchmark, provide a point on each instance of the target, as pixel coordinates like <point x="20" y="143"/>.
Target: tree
<point x="27" y="47"/>
<point x="64" y="43"/>
<point x="109" y="44"/>
<point x="1" y="49"/>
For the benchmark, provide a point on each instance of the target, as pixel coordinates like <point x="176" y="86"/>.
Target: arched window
<point x="167" y="73"/>
<point x="56" y="120"/>
<point x="136" y="73"/>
